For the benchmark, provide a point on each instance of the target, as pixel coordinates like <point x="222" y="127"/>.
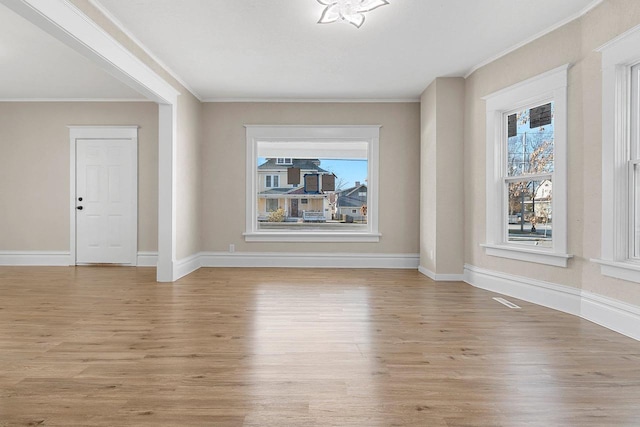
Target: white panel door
<point x="106" y="177"/>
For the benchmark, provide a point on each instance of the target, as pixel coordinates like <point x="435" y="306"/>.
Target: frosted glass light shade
<point x="351" y="11"/>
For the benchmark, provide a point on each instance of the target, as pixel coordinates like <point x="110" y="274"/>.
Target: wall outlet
<point x="232" y="248"/>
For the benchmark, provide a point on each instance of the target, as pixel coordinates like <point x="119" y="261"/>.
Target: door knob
<point x="79" y="208"/>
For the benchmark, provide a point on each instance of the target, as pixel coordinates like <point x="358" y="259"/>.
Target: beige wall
<point x="573" y="43"/>
<point x="224" y="175"/>
<point x="34" y="169"/>
<point x="441" y="188"/>
<point x="428" y="193"/>
<point x="188" y="176"/>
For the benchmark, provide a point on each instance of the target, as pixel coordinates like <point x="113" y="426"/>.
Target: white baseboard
<point x="186" y="266"/>
<point x="308" y="260"/>
<point x="60" y="258"/>
<point x="612" y="314"/>
<point x="441" y="277"/>
<point x="147" y="259"/>
<point x="34" y="258"/>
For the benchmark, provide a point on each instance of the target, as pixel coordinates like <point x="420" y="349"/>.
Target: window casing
<point x="526" y="216"/>
<point x="620" y="250"/>
<point x="305" y="142"/>
<point x="284" y="160"/>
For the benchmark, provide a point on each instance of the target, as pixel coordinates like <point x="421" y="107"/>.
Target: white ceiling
<point x="273" y="49"/>
<point x="34" y="65"/>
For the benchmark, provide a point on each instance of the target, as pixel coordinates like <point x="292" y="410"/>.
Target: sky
<point x="348" y="170"/>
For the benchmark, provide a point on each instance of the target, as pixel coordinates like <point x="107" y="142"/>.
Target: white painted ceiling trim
<point x="74" y="100"/>
<point x="533" y="38"/>
<point x="311" y="100"/>
<point x="128" y="33"/>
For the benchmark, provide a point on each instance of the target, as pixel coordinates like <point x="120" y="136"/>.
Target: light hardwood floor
<point x="99" y="346"/>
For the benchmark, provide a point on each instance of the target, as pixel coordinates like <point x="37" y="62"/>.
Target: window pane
<point x="529" y="214"/>
<point x="337" y="200"/>
<point x="530" y="140"/>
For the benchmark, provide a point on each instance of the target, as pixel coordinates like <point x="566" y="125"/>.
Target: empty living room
<point x="320" y="213"/>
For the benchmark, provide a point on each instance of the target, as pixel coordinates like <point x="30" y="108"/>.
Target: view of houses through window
<point x="529" y="184"/>
<point x="303" y="194"/>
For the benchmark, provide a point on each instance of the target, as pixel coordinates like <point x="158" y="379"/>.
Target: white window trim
<point x="618" y="57"/>
<point x="549" y="86"/>
<point x="367" y="133"/>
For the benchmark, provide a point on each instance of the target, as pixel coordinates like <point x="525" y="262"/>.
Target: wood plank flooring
<point x="100" y="346"/>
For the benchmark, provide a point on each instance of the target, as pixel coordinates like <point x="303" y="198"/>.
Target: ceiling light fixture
<point x="351" y="11"/>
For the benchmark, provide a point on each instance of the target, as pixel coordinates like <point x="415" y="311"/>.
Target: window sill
<point x="620" y="270"/>
<point x="311" y="237"/>
<point x="526" y="254"/>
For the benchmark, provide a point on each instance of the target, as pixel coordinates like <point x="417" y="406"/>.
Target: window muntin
<point x="284" y="160"/>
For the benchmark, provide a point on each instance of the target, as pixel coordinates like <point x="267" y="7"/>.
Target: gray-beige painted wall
<point x="574" y="43"/>
<point x="34" y="169"/>
<point x="441" y="186"/>
<point x="224" y="174"/>
<point x="188" y="176"/>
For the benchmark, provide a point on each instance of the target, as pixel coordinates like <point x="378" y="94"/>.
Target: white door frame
<point x="101" y="133"/>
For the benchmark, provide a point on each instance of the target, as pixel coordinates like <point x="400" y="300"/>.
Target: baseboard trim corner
<point x="607" y="312"/>
<point x="441" y="277"/>
<point x="187" y="266"/>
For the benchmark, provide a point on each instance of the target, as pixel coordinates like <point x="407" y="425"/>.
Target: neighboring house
<point x="275" y="191"/>
<point x="351" y="201"/>
<point x="543" y="200"/>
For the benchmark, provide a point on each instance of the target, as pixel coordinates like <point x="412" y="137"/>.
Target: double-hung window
<point x="620" y="250"/>
<point x="526" y="214"/>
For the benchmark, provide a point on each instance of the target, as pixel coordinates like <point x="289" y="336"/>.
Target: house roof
<point x="304" y="164"/>
<point x="351" y="197"/>
<point x="297" y="191"/>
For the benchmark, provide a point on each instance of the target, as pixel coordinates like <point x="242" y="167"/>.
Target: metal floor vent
<point x="505" y="302"/>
